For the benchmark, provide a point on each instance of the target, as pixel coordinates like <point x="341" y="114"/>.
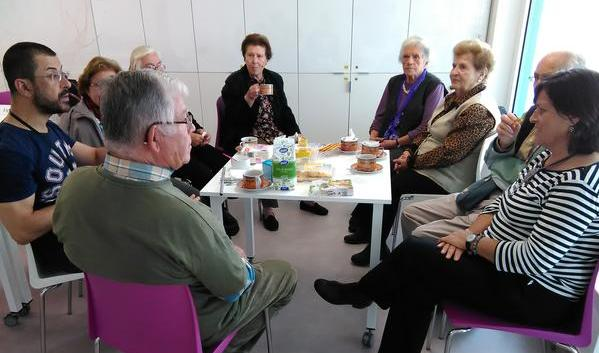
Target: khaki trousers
<point x="439" y="216"/>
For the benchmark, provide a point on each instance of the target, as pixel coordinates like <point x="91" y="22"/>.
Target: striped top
<point x="547" y="225"/>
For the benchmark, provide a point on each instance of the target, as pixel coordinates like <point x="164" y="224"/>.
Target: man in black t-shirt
<point x="35" y="155"/>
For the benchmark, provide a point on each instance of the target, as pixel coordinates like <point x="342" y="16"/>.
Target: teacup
<point x="248" y="143"/>
<point x="252" y="179"/>
<point x="266" y="89"/>
<point x="370" y="147"/>
<point x="349" y="144"/>
<point x="366" y="163"/>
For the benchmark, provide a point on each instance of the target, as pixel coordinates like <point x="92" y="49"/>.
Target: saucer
<point x="240" y="187"/>
<point x="381" y="155"/>
<point x="349" y="152"/>
<point x="355" y="170"/>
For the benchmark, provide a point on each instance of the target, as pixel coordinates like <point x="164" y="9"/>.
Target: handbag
<point x="475" y="193"/>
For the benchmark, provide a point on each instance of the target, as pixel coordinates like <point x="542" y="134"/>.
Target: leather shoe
<point x="313" y="208"/>
<point x="230" y="223"/>
<point x="356" y="238"/>
<point x="362" y="258"/>
<point x="271" y="223"/>
<point x="341" y="293"/>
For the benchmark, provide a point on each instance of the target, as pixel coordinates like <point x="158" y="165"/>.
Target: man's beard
<point x="47" y="106"/>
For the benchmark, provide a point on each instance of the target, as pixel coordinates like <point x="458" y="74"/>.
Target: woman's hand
<point x="507" y="130"/>
<point x="401" y="163"/>
<point x="252" y="93"/>
<point x="453" y="245"/>
<point x="388" y="144"/>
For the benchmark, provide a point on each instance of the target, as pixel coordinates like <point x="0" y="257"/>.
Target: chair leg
<point x="43" y="316"/>
<point x="70" y="299"/>
<point x="443" y="327"/>
<point x="450" y="337"/>
<point x="567" y="347"/>
<point x="268" y="332"/>
<point x="394" y="231"/>
<point x="80" y="294"/>
<point x="431" y="327"/>
<point x="97" y="345"/>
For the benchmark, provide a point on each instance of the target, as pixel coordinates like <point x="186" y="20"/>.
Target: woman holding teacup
<point x="256" y="105"/>
<point x="409" y="99"/>
<point x="443" y="158"/>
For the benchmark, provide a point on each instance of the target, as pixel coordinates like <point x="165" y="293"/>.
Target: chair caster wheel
<point x="25" y="309"/>
<point x="11" y="319"/>
<point x="367" y="338"/>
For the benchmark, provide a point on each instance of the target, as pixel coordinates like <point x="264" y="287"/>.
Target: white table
<point x="372" y="189"/>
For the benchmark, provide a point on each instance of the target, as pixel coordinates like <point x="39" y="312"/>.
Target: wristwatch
<point x="470" y="238"/>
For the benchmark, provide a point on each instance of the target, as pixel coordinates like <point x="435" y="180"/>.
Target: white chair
<point x="46" y="284"/>
<point x="13" y="280"/>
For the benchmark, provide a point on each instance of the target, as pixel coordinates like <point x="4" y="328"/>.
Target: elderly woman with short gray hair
<point x="405" y="108"/>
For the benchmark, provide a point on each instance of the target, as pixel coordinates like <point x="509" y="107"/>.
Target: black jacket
<point x="240" y="119"/>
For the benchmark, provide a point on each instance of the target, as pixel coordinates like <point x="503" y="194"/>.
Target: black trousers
<point x="404" y="182"/>
<point x="416" y="277"/>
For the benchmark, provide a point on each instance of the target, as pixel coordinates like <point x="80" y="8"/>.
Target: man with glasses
<point x="35" y="154"/>
<point x="149" y="231"/>
<point x="205" y="160"/>
<point x="506" y="157"/>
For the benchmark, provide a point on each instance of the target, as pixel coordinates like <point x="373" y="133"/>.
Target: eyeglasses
<point x="188" y="120"/>
<point x="157" y="67"/>
<point x="56" y="76"/>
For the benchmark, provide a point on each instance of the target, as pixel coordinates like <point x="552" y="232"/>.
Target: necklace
<point x="17" y="118"/>
<point x="404" y="89"/>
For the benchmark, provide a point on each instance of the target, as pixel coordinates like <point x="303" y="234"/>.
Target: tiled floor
<point x="315" y="247"/>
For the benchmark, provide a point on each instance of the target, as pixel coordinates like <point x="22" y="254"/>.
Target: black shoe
<point x="356" y="238"/>
<point x="362" y="258"/>
<point x="230" y="223"/>
<point x="313" y="208"/>
<point x="341" y="293"/>
<point x="271" y="223"/>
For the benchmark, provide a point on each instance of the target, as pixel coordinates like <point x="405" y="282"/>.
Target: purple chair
<point x="463" y="320"/>
<point x="5" y="98"/>
<point x="141" y="318"/>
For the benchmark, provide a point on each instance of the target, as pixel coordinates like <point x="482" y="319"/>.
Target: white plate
<point x="378" y="170"/>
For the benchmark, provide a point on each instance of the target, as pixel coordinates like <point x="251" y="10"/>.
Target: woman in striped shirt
<point x="530" y="255"/>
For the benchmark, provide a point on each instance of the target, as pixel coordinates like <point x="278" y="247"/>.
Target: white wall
<point x="335" y="56"/>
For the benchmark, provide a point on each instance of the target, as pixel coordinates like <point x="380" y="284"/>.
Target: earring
<point x="571" y="129"/>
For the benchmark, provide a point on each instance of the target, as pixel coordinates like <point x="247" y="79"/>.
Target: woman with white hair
<point x="404" y="110"/>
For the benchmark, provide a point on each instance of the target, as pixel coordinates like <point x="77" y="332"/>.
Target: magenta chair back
<point x="5" y="98"/>
<point x="462" y="318"/>
<point x="141" y="318"/>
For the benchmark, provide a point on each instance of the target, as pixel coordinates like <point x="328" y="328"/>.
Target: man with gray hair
<point x="148" y="230"/>
<point x="508" y="154"/>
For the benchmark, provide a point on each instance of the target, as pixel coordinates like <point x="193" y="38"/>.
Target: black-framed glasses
<point x="188" y="120"/>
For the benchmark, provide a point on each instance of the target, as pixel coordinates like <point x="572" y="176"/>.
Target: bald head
<point x="557" y="61"/>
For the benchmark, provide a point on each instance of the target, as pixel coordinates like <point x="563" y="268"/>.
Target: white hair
<point x="415" y="41"/>
<point x="137" y="54"/>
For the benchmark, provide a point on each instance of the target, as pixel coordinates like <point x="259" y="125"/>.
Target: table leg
<point x="250" y="249"/>
<point x="375" y="253"/>
<point x="216" y="203"/>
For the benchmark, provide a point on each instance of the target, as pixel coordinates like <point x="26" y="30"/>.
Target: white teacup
<point x="266" y="89"/>
<point x="349" y="144"/>
<point x="252" y="179"/>
<point x="370" y="147"/>
<point x="248" y="143"/>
